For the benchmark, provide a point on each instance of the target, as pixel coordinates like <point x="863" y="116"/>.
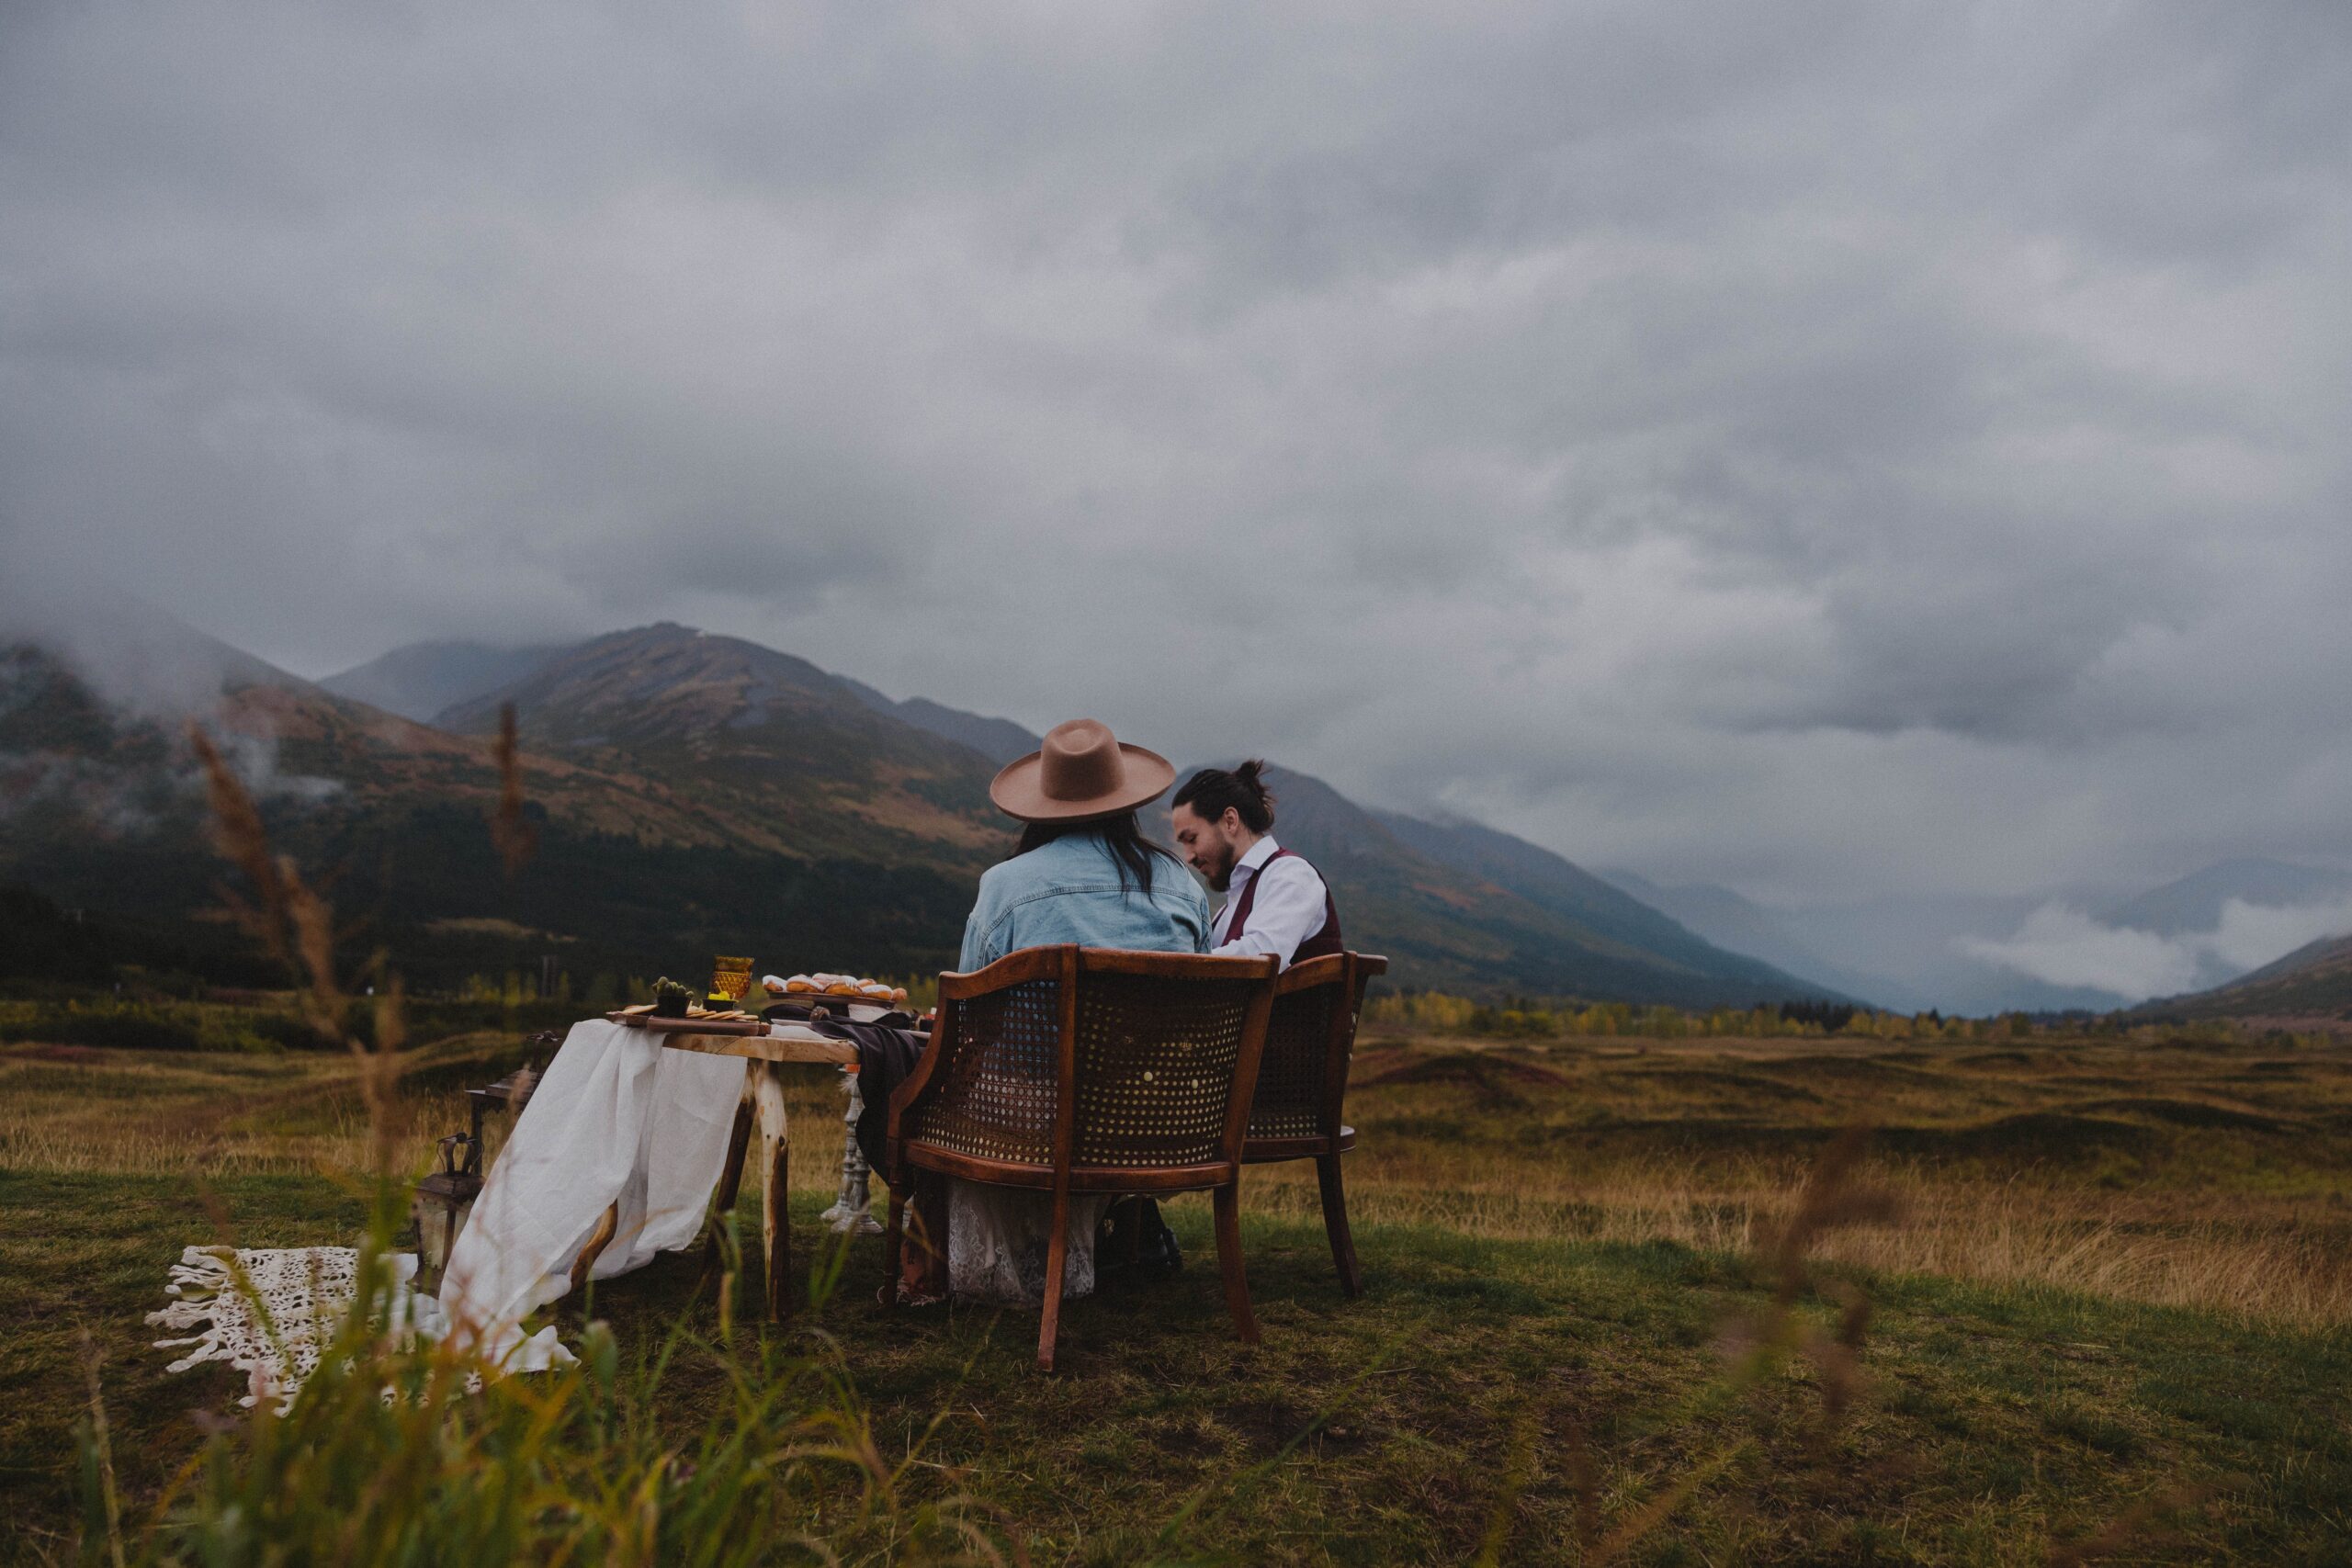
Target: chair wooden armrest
<point x="951" y="1045"/>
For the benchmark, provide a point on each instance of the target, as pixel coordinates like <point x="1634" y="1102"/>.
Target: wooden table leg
<point x="775" y="1192"/>
<point x="607" y="1226"/>
<point x="730" y="1174"/>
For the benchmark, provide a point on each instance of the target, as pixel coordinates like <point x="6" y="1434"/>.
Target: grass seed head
<point x="515" y="834"/>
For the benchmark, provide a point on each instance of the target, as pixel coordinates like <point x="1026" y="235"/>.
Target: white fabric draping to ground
<point x="291" y="1302"/>
<point x="615" y="1118"/>
<point x="618" y="1117"/>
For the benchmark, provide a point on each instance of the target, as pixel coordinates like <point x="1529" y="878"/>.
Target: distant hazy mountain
<point x="421" y="679"/>
<point x="2196" y="902"/>
<point x="1905" y="954"/>
<point x="1987" y="953"/>
<point x="133" y="658"/>
<point x="998" y="739"/>
<point x="1921" y="945"/>
<point x="1739" y="925"/>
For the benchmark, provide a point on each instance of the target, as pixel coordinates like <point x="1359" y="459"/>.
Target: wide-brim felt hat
<point x="1082" y="771"/>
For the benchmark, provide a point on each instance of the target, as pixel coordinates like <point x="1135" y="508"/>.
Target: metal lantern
<point x="443" y="1201"/>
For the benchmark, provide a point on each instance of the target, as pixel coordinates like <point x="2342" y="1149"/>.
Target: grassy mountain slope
<point x="2315" y="980"/>
<point x="768" y="741"/>
<point x="694" y="794"/>
<point x="638" y="868"/>
<point x="998" y="739"/>
<point x="1456" y="928"/>
<point x="423" y="679"/>
<point x="1554" y="883"/>
<point x="1737" y="924"/>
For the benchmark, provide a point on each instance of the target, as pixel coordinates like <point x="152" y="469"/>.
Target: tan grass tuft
<point x="238" y="833"/>
<point x="516" y="835"/>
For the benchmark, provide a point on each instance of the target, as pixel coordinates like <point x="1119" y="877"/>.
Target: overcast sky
<point x="1829" y="449"/>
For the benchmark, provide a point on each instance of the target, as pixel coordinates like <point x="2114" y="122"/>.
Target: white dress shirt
<point x="1289" y="908"/>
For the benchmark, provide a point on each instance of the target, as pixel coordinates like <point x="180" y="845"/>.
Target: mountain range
<point x="2087" y="949"/>
<point x="2199" y="901"/>
<point x="696" y="793"/>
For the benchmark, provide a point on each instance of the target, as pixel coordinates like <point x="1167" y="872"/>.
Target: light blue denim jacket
<point x="1069" y="891"/>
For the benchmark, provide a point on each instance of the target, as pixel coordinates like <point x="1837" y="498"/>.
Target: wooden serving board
<point x="710" y="1023"/>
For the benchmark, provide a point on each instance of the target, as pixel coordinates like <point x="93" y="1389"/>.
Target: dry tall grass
<point x="63" y="1108"/>
<point x="2262" y="1233"/>
<point x="2193" y="1175"/>
<point x="2254" y="1265"/>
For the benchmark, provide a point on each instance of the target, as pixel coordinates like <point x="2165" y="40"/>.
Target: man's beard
<point x="1221" y="880"/>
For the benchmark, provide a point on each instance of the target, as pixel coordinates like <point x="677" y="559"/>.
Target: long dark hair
<point x="1211" y="790"/>
<point x="1131" y="852"/>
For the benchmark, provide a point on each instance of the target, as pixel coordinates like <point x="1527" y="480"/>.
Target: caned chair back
<point x="993" y="1094"/>
<point x="1310" y="1039"/>
<point x="1088" y="1070"/>
<point x="1092" y="1059"/>
<point x="1159" y="1065"/>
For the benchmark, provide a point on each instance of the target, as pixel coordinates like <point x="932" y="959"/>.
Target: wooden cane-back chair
<point x="1303" y="1084"/>
<point x="1069" y="1070"/>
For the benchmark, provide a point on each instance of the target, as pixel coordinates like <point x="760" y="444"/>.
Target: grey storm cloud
<point x="1832" y="448"/>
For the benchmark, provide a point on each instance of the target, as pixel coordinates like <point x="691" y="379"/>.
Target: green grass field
<point x="2109" y="1310"/>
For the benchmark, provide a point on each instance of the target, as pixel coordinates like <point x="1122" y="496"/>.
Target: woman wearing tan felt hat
<point x="1083" y="872"/>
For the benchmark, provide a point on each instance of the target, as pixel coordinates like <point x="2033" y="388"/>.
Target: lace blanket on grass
<point x="275" y="1322"/>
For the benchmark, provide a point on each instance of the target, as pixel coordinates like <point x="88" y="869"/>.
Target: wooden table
<point x="767" y="1049"/>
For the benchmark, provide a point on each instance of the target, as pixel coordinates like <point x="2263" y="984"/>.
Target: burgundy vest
<point x="1322" y="944"/>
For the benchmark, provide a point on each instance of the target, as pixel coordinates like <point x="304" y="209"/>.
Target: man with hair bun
<point x="1275" y="902"/>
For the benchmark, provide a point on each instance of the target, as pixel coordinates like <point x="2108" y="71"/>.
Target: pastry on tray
<point x="854" y="985"/>
<point x="853" y="997"/>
